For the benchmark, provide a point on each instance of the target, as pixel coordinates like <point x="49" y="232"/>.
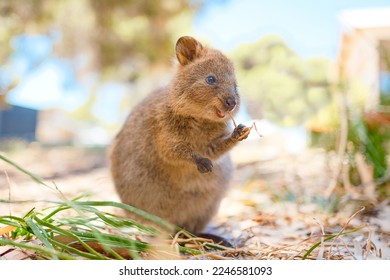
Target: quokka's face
<point x="207" y="85"/>
<point x="212" y="88"/>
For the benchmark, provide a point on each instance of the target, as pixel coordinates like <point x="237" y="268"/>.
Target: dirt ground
<point x="275" y="209"/>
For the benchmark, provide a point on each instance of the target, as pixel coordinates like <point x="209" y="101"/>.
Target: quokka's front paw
<point x="241" y="132"/>
<point x="204" y="165"/>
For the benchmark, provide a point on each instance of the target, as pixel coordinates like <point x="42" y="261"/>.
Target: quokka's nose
<point x="230" y="103"/>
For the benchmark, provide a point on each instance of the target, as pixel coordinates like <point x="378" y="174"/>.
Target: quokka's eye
<point x="211" y="80"/>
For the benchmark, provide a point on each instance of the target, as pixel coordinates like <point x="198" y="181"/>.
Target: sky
<point x="310" y="28"/>
<point x="51" y="79"/>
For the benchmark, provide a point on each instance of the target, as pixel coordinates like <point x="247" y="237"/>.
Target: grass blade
<point x="72" y="235"/>
<point x="39" y="249"/>
<point x="327" y="239"/>
<point x="39" y="232"/>
<point x="158" y="221"/>
<point x="36" y="178"/>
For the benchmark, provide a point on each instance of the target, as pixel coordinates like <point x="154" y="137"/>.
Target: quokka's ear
<point x="187" y="49"/>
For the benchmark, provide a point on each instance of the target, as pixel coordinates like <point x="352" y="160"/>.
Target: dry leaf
<point x="6" y="230"/>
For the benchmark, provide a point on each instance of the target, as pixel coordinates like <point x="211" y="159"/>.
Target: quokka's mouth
<point x="221" y="114"/>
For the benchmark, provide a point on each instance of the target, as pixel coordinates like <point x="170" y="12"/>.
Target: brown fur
<point x="170" y="158"/>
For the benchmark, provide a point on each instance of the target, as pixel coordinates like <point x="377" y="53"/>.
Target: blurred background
<point x="313" y="76"/>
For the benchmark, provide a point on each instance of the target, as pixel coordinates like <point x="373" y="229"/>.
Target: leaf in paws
<point x="241" y="126"/>
<point x="245" y="133"/>
<point x="241" y="132"/>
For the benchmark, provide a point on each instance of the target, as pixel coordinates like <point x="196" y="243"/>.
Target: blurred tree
<point x="276" y="82"/>
<point x="122" y="41"/>
<point x="112" y="35"/>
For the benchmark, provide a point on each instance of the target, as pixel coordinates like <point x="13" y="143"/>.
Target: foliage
<point x="372" y="139"/>
<point x="285" y="88"/>
<point x="91" y="226"/>
<point x="115" y="35"/>
<point x="368" y="134"/>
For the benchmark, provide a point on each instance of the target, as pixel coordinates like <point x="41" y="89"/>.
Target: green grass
<point x="86" y="225"/>
<point x="82" y="229"/>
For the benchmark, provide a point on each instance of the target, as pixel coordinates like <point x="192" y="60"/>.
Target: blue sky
<point x="311" y="28"/>
<point x="48" y="81"/>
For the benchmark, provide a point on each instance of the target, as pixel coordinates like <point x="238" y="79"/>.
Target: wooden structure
<point x="364" y="55"/>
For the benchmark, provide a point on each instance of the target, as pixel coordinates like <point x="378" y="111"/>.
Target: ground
<point x="275" y="209"/>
